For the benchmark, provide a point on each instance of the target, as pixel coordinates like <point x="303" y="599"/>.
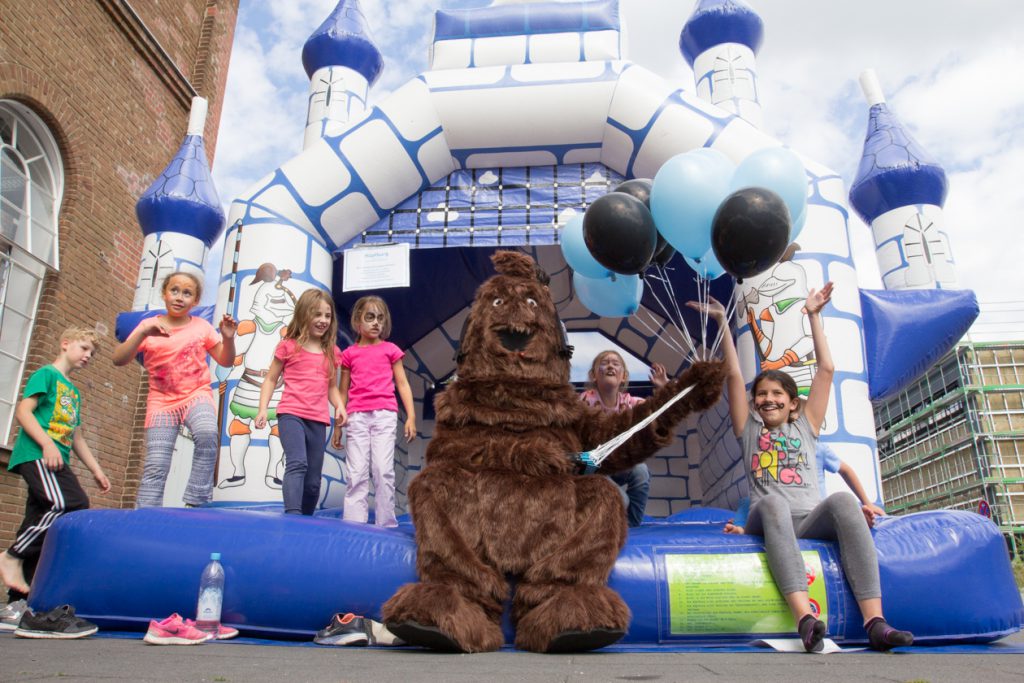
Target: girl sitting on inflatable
<point x="778" y="441"/>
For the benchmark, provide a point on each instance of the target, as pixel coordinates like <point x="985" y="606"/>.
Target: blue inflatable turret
<point x="715" y="22"/>
<point x="342" y="63"/>
<point x="899" y="191"/>
<point x="894" y="169"/>
<point x="180" y="215"/>
<point x="344" y="40"/>
<point x="720" y="41"/>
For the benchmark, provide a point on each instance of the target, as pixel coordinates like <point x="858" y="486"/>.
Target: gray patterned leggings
<point x="838" y="517"/>
<point x="201" y="420"/>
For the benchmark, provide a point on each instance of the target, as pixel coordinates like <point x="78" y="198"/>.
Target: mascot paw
<point x="415" y="633"/>
<point x="707" y="378"/>
<point x="570" y="618"/>
<point x="439" y="617"/>
<point x="583" y="641"/>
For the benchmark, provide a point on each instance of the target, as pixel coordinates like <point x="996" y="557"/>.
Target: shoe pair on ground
<point x="59" y="623"/>
<point x="177" y="631"/>
<point x="881" y="636"/>
<point x="355" y="631"/>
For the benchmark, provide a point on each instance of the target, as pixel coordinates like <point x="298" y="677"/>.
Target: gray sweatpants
<point x="201" y="420"/>
<point x="838" y="517"/>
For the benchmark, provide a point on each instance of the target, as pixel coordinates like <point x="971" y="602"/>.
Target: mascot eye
<point x="497" y="302"/>
<point x="532" y="303"/>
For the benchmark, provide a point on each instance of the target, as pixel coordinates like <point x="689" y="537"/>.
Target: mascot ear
<point x="514" y="264"/>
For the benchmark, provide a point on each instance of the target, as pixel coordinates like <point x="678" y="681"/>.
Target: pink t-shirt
<point x="305" y="381"/>
<point x="372" y="379"/>
<point x="178" y="372"/>
<point x="592" y="398"/>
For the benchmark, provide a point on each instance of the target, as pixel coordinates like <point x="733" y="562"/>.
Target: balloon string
<point x="654" y="331"/>
<point x="672" y="297"/>
<point x="668" y="315"/>
<point x="724" y="329"/>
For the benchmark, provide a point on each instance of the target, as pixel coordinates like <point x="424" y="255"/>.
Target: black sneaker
<point x="59" y="622"/>
<point x="345" y="629"/>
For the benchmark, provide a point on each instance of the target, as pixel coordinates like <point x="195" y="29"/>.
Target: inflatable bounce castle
<point x="528" y="113"/>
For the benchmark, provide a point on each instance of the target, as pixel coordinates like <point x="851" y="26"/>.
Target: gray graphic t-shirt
<point x="781" y="461"/>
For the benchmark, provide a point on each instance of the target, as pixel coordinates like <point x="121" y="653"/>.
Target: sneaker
<point x="58" y="623"/>
<point x="10" y="615"/>
<point x="174" y="631"/>
<point x="223" y="632"/>
<point x="345" y="629"/>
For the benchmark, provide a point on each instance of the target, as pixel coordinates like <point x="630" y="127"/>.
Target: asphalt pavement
<point x="122" y="659"/>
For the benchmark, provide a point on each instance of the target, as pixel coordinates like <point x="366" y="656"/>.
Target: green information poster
<point x="733" y="593"/>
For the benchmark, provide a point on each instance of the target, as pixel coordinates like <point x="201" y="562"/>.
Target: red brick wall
<point x="118" y="114"/>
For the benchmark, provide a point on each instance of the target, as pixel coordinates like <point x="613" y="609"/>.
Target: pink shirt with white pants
<point x="372" y="421"/>
<point x="306" y="381"/>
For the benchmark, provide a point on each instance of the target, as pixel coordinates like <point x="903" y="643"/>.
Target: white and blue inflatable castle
<point x="528" y="113"/>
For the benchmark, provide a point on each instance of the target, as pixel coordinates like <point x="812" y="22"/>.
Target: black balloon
<point x="619" y="232"/>
<point x="637" y="187"/>
<point x="663" y="252"/>
<point x="750" y="231"/>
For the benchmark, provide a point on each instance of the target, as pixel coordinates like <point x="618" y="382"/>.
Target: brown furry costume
<point x="500" y="495"/>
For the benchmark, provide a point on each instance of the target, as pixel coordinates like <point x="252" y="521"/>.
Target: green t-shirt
<point x="56" y="412"/>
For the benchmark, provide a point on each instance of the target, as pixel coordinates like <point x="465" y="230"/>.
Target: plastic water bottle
<point x="211" y="596"/>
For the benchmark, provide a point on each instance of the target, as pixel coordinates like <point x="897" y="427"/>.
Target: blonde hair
<point x="298" y="329"/>
<point x="75" y="333"/>
<point x="357" y="315"/>
<point x="592" y="374"/>
<point x="191" y="276"/>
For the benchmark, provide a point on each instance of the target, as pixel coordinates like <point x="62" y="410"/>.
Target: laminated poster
<point x="734" y="593"/>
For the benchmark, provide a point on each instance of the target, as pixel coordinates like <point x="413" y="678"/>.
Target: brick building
<point x="94" y="99"/>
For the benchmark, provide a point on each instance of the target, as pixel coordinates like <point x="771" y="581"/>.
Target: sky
<point x="951" y="71"/>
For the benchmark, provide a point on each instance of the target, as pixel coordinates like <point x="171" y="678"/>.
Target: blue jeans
<point x="303" y="442"/>
<point x="638" y="485"/>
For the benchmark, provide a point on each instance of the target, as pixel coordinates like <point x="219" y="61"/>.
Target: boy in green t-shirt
<point x="48" y="415"/>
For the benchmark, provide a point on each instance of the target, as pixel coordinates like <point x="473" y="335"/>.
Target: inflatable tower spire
<point x="899" y="191"/>
<point x="342" y="63"/>
<point x="180" y="215"/>
<point x="720" y="41"/>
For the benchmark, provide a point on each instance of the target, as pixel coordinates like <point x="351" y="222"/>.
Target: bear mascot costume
<point x="501" y="496"/>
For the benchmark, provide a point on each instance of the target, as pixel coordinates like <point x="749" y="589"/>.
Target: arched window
<point x="31" y="187"/>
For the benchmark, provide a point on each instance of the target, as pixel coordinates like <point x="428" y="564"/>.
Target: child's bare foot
<point x="10" y="570"/>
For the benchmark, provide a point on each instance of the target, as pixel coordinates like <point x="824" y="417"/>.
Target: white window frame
<point x="31" y="159"/>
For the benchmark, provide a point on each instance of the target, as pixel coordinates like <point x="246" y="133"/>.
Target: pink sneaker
<point x="174" y="631"/>
<point x="223" y="632"/>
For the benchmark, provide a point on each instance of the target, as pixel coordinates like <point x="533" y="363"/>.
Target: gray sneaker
<point x="60" y="622"/>
<point x="10" y="615"/>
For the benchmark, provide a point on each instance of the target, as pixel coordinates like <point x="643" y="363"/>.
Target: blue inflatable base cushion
<point x="946" y="576"/>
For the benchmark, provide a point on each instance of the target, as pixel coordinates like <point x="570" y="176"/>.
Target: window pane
<point x="22" y="289"/>
<point x="13" y="181"/>
<point x="27" y="144"/>
<point x="39" y="172"/>
<point x="6" y="413"/>
<point x="14" y="332"/>
<point x="10" y="370"/>
<point x="13" y="222"/>
<point x="5" y="127"/>
<point x="43" y="242"/>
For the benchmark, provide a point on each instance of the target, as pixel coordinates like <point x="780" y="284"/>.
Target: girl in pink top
<point x="308" y="359"/>
<point x="174" y="347"/>
<point x="371" y="370"/>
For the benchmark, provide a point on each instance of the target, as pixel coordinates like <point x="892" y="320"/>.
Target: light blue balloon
<point x="708" y="267"/>
<point x="779" y="170"/>
<point x="611" y="297"/>
<point x="575" y="250"/>
<point x="686" y="193"/>
<point x="797" y="226"/>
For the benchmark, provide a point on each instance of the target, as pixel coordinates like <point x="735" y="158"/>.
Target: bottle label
<point x="209" y="605"/>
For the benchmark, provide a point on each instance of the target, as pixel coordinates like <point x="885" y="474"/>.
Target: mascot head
<point x="513" y="331"/>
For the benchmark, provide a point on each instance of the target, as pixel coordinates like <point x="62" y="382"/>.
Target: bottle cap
<point x="215" y="556"/>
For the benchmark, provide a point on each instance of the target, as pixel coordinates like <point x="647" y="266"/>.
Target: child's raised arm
<point x="224" y="352"/>
<point x="126" y="350"/>
<point x="739" y="407"/>
<point x="821" y="385"/>
<point x="405" y="393"/>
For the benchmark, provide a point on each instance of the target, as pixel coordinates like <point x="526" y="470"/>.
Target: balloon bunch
<point x="721" y="217"/>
